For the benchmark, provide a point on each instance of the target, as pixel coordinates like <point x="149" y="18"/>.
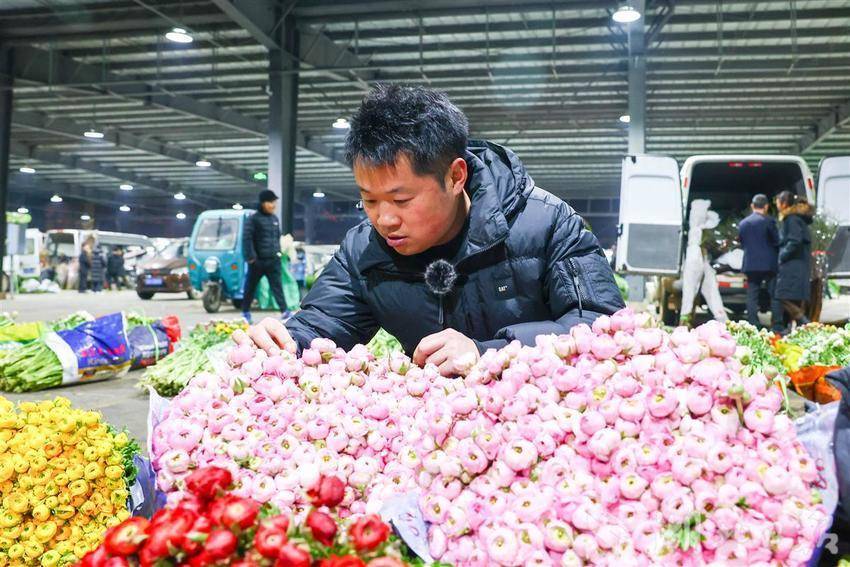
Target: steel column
<point x="283" y="117"/>
<point x="6" y="93"/>
<point x="637" y="82"/>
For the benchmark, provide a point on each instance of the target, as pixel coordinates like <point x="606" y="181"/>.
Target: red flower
<point x="220" y="544"/>
<point x="344" y="561"/>
<point x="281" y="522"/>
<point x="192" y="503"/>
<point x="386" y="562"/>
<point x="207" y="482"/>
<point x="290" y="555"/>
<point x="240" y="512"/>
<point x="268" y="540"/>
<point x="116" y="562"/>
<point x="368" y="532"/>
<point x="322" y="526"/>
<point x="95" y="558"/>
<point x="329" y="491"/>
<point x="126" y="538"/>
<point x="193" y="543"/>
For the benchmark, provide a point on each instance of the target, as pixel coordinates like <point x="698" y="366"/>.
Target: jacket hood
<point x="498" y="186"/>
<point x="802" y="210"/>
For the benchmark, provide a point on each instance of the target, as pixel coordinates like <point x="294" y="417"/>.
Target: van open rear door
<point x="834" y="201"/>
<point x="651" y="217"/>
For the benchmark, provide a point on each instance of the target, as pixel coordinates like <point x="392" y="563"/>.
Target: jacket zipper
<point x="574" y="275"/>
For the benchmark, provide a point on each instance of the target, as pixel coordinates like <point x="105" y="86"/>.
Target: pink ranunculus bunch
<point x="615" y="444"/>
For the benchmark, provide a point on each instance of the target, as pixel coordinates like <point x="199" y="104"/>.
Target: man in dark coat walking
<point x="261" y="246"/>
<point x="794" y="280"/>
<point x="461" y="251"/>
<point x="760" y="240"/>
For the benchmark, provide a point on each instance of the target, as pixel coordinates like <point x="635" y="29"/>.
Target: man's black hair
<point x="396" y="120"/>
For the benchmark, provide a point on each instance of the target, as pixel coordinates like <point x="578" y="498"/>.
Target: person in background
<point x="115" y="273"/>
<point x="793" y="282"/>
<point x="299" y="271"/>
<point x="760" y="240"/>
<point x="98" y="269"/>
<point x="261" y="246"/>
<point x="85" y="266"/>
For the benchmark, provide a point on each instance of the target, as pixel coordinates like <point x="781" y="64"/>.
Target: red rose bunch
<point x="211" y="527"/>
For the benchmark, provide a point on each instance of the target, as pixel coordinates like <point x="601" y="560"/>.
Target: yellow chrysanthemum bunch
<point x="61" y="482"/>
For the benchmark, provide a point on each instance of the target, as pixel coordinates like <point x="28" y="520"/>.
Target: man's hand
<point x="269" y="334"/>
<point x="453" y="352"/>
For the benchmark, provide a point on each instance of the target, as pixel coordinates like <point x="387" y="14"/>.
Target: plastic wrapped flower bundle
<point x="64" y="477"/>
<point x="618" y="443"/>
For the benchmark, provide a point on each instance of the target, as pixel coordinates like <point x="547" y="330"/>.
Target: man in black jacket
<point x="461" y="251"/>
<point x="261" y="246"/>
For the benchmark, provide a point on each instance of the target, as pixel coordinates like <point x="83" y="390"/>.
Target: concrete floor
<point x="120" y="401"/>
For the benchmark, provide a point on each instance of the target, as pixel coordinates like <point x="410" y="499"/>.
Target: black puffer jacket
<point x="527" y="267"/>
<point x="261" y="236"/>
<point x="793" y="281"/>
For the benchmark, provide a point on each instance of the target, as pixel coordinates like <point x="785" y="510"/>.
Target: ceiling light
<point x="319" y="194"/>
<point x="179" y="196"/>
<point x="626" y="14"/>
<point x="56" y="199"/>
<point x="237" y="206"/>
<point x="85" y="218"/>
<point x="625" y="118"/>
<point x="202" y="163"/>
<point x="341" y="124"/>
<point x="23" y="210"/>
<point x="26" y="169"/>
<point x="178" y="35"/>
<point x="125" y="187"/>
<point x="260" y="176"/>
<point x="180" y="216"/>
<point x="94" y="134"/>
<point x="124" y="209"/>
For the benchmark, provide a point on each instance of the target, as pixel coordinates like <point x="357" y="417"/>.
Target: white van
<point x="655" y="199"/>
<point x="27" y="264"/>
<point x="64" y="247"/>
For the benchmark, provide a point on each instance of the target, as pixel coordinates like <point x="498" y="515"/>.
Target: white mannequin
<point x="698" y="275"/>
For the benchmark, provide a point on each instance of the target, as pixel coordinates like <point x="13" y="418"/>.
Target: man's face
<point x="411" y="212"/>
<point x="268" y="207"/>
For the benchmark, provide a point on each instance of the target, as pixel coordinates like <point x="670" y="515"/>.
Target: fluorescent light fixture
<point x="260" y="176"/>
<point x="319" y="194"/>
<point x="27" y="169"/>
<point x="179" y="196"/>
<point x="341" y="124"/>
<point x="625" y="118"/>
<point x="125" y="187"/>
<point x="202" y="163"/>
<point x="178" y="35"/>
<point x="238" y="206"/>
<point x="625" y="14"/>
<point x="85" y="218"/>
<point x="56" y="199"/>
<point x="124" y="209"/>
<point x="180" y="216"/>
<point x="93" y="134"/>
<point x="23" y="210"/>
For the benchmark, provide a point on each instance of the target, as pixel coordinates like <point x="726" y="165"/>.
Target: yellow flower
<point x="80" y="550"/>
<point x="78" y="487"/>
<point x="11" y="533"/>
<point x="40" y="513"/>
<point x="7" y="434"/>
<point x="88" y="508"/>
<point x="6" y="471"/>
<point x="45" y="531"/>
<point x="76" y="471"/>
<point x="61" y="479"/>
<point x="93" y="471"/>
<point x="52" y="449"/>
<point x="64" y="512"/>
<point x="90" y="454"/>
<point x="121" y="440"/>
<point x="51" y="501"/>
<point x="8" y="420"/>
<point x="51" y="558"/>
<point x="9" y="519"/>
<point x="114" y="459"/>
<point x="20" y="464"/>
<point x="122" y="514"/>
<point x="16" y="551"/>
<point x="16" y="503"/>
<point x="33" y="549"/>
<point x="59" y="463"/>
<point x="38" y="464"/>
<point x="114" y="472"/>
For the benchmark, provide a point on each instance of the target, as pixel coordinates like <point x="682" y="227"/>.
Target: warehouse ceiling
<point x="548" y="79"/>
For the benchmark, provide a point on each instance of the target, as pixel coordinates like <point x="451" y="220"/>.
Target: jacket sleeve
<point x="772" y="234"/>
<point x="793" y="242"/>
<point x="248" y="249"/>
<point x="578" y="283"/>
<point x="334" y="309"/>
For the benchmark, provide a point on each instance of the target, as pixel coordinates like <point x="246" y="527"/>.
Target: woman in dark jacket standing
<point x="793" y="281"/>
<point x="85" y="267"/>
<point x="98" y="269"/>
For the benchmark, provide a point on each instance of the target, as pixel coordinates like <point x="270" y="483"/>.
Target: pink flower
<point x="586" y="547"/>
<point x="677" y="507"/>
<point x="661" y="403"/>
<point x="632" y="409"/>
<point x="604" y="347"/>
<point x="632" y="486"/>
<point x="519" y="454"/>
<point x="591" y="421"/>
<point x="603" y="443"/>
<point x="776" y="480"/>
<point x="759" y="420"/>
<point x="557" y="536"/>
<point x="699" y="400"/>
<point x="502" y="546"/>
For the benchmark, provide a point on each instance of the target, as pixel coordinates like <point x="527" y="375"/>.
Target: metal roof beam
<point x="837" y="117"/>
<point x="65" y="127"/>
<point x="53" y="69"/>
